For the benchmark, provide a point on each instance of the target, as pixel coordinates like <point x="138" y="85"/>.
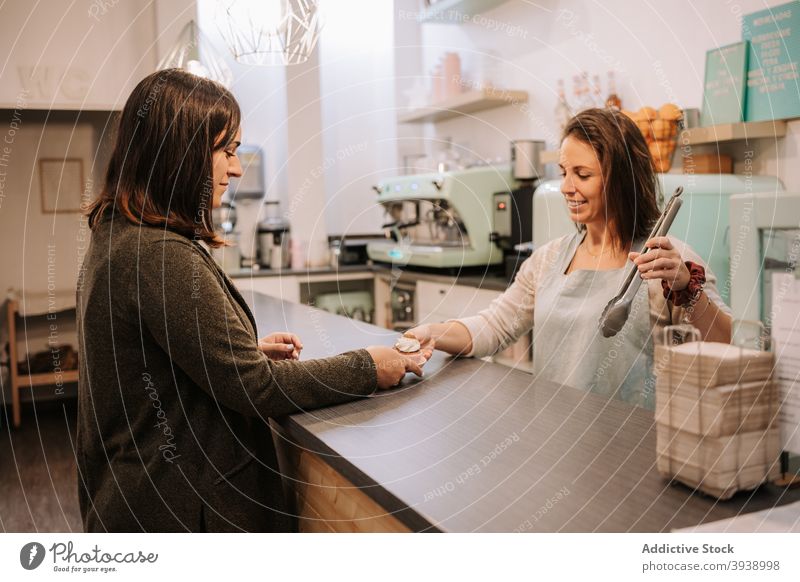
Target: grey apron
<point x="568" y="347"/>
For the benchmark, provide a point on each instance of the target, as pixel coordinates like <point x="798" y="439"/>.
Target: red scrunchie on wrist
<point x="697" y="278"/>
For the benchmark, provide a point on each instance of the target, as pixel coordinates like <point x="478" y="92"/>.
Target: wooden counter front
<point x="327" y="502"/>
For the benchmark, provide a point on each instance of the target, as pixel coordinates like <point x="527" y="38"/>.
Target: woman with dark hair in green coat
<point x="176" y="388"/>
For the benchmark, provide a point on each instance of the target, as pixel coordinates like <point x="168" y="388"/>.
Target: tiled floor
<point x="38" y="483"/>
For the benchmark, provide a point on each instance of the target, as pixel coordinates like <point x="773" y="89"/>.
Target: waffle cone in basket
<point x="661" y="151"/>
<point x="646" y="127"/>
<point x="660" y="131"/>
<point x="664" y="129"/>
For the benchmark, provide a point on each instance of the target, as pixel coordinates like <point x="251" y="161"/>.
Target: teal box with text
<point x="725" y="85"/>
<point x="773" y="77"/>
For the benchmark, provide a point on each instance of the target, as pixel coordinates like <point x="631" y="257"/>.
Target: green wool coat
<point x="174" y="394"/>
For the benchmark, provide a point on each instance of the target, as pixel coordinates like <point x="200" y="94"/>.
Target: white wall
<point x="81" y="54"/>
<point x="261" y="93"/>
<point x="656" y="48"/>
<point x="357" y="70"/>
<point x="356" y="101"/>
<point x="104" y="54"/>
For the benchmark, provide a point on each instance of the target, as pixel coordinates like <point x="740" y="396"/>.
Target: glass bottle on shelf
<point x="562" y="112"/>
<point x="597" y="97"/>
<point x="448" y="158"/>
<point x="586" y="92"/>
<point x="451" y="69"/>
<point x="437" y="84"/>
<point x="577" y="98"/>
<point x="612" y="101"/>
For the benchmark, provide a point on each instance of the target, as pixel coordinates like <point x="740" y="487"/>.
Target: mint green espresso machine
<point x="441" y="220"/>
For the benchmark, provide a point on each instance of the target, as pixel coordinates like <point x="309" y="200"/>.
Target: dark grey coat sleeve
<point x="187" y="309"/>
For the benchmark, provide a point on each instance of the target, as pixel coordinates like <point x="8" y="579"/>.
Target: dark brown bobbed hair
<point x="629" y="182"/>
<point x="161" y="173"/>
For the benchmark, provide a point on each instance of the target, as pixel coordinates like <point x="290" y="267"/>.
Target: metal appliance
<point x="348" y="251"/>
<point x="525" y="159"/>
<point x="441" y="220"/>
<point x="273" y="238"/>
<point x="402" y="306"/>
<point x="513" y="208"/>
<point x="224" y="218"/>
<point x="247" y="192"/>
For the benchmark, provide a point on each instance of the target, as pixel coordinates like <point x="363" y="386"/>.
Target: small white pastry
<point x="407" y="345"/>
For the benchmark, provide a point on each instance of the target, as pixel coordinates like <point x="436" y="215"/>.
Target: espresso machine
<point x="441" y="220"/>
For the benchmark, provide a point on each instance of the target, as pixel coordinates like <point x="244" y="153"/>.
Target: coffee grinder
<point x="513" y="209"/>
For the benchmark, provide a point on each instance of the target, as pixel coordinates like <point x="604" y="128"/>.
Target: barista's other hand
<point x="281" y="345"/>
<point x="662" y="261"/>
<point x="392" y="366"/>
<point x="422" y="333"/>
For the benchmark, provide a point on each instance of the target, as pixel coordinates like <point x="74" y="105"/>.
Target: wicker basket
<point x="660" y="131"/>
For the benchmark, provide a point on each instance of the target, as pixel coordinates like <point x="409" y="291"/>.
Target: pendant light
<point x="193" y="53"/>
<point x="269" y="32"/>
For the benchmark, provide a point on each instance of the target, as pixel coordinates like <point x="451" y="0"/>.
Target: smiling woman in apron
<point x="560" y="292"/>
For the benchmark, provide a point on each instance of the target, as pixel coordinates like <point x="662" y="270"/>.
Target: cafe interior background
<point x="445" y="114"/>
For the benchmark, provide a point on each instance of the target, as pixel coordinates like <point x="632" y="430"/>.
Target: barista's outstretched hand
<point x="281" y="345"/>
<point x="423" y="334"/>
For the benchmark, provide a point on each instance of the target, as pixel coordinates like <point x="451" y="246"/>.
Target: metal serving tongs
<point x="616" y="312"/>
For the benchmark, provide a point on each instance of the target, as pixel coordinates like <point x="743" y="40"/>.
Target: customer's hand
<point x="281" y="345"/>
<point x="662" y="261"/>
<point x="423" y="334"/>
<point x="392" y="366"/>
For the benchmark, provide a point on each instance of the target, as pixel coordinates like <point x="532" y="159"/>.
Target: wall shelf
<point x="725" y="132"/>
<point x="456" y="11"/>
<point x="733" y="131"/>
<point x="464" y="104"/>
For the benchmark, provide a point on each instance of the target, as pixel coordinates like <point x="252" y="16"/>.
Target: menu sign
<point x="773" y="80"/>
<point x="724" y="89"/>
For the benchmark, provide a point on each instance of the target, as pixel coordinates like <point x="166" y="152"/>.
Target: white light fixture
<point x="269" y="32"/>
<point x="193" y="53"/>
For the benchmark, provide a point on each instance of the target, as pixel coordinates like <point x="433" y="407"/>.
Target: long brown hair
<point x="629" y="183"/>
<point x="161" y="173"/>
